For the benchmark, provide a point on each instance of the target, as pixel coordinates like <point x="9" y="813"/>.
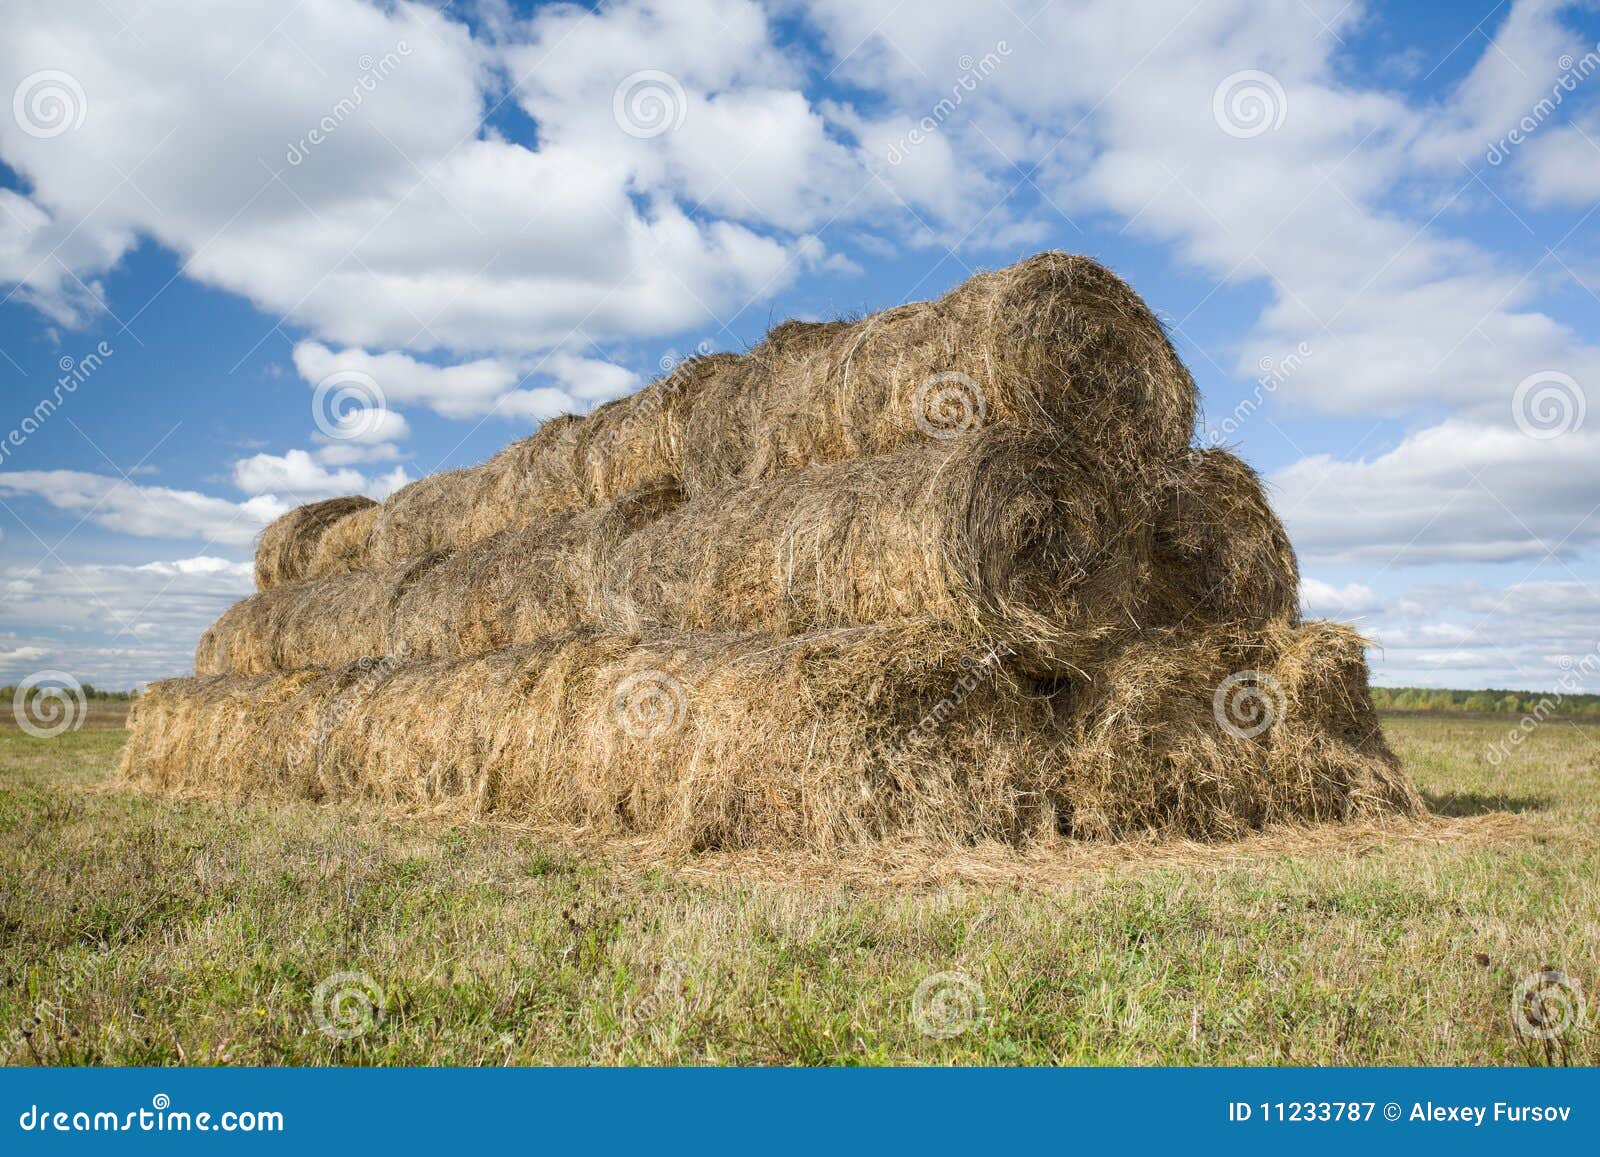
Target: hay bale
<point x="1057" y="342"/>
<point x="721" y="741"/>
<point x="1215" y="732"/>
<point x="1220" y="553"/>
<point x="321" y="623"/>
<point x="1003" y="535"/>
<point x="223" y="734"/>
<point x="346" y="546"/>
<point x="519" y="585"/>
<point x="286" y="547"/>
<point x="690" y="742"/>
<point x="570" y="463"/>
<point x="510" y="587"/>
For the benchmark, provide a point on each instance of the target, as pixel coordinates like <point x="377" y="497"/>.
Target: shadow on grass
<point x="1480" y="803"/>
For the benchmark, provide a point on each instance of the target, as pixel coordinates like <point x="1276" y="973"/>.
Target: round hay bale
<point x="1005" y="535"/>
<point x="1220" y="553"/>
<point x="686" y="743"/>
<point x="346" y="546"/>
<point x="1057" y="342"/>
<point x="518" y="585"/>
<point x="570" y="463"/>
<point x="286" y="547"/>
<point x="510" y="587"/>
<point x="1215" y="732"/>
<point x="322" y="623"/>
<point x="699" y="741"/>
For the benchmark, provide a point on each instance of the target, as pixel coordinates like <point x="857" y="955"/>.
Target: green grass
<point x="137" y="930"/>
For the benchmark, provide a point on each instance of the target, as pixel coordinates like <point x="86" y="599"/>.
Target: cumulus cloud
<point x="145" y="511"/>
<point x="130" y="623"/>
<point x="329" y="163"/>
<point x="300" y="477"/>
<point x="1525" y="635"/>
<point x="1455" y="492"/>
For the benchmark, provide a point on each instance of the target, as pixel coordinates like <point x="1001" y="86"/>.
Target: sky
<point x="257" y="254"/>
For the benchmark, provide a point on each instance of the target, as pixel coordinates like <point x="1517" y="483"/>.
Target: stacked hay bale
<point x="951" y="572"/>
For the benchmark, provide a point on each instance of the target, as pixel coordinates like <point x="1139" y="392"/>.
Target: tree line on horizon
<point x="1487" y="702"/>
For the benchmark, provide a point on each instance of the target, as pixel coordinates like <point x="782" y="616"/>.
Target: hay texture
<point x="709" y="741"/>
<point x="515" y="586"/>
<point x="1216" y="732"/>
<point x="288" y="544"/>
<point x="692" y="742"/>
<point x="571" y="463"/>
<point x="1057" y="343"/>
<point x="321" y="623"/>
<point x="1221" y="554"/>
<point x="1002" y="536"/>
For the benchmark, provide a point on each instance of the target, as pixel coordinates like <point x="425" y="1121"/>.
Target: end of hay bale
<point x="1217" y="732"/>
<point x="346" y="546"/>
<point x="286" y="547"/>
<point x="1220" y="552"/>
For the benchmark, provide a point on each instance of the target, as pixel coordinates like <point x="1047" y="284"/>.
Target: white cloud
<point x="493" y="385"/>
<point x="407" y="225"/>
<point x="1327" y="601"/>
<point x="1526" y="636"/>
<point x="145" y="511"/>
<point x="299" y="477"/>
<point x="1561" y="165"/>
<point x="128" y="623"/>
<point x="1456" y="492"/>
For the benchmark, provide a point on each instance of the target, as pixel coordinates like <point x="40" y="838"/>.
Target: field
<point x="139" y="930"/>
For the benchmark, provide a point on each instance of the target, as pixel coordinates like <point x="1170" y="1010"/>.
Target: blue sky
<point x="509" y="212"/>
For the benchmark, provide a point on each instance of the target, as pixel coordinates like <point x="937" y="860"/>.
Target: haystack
<point x="1002" y="536"/>
<point x="723" y="741"/>
<point x="949" y="572"/>
<point x="1057" y="344"/>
